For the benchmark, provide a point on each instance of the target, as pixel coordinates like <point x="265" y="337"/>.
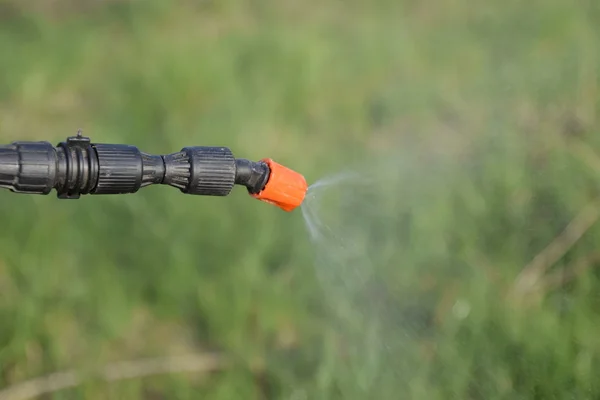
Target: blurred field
<point x="490" y="108"/>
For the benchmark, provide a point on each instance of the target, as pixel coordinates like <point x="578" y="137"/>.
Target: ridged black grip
<point x="28" y="167"/>
<point x="119" y="169"/>
<point x="212" y="171"/>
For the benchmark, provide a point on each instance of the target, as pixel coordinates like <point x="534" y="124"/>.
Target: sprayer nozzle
<point x="285" y="188"/>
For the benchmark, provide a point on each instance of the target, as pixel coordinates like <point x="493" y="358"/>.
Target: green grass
<point x="489" y="111"/>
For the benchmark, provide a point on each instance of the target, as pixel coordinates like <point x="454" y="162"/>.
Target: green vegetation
<point x="489" y="109"/>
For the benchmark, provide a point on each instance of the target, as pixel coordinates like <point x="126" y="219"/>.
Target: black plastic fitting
<point x="77" y="167"/>
<point x="253" y="175"/>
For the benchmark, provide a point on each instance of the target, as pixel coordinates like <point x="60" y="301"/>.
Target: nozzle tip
<point x="285" y="188"/>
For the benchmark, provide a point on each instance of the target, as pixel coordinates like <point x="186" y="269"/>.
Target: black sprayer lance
<point x="77" y="167"/>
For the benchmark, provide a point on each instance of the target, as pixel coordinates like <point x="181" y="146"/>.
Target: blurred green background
<point x="488" y="110"/>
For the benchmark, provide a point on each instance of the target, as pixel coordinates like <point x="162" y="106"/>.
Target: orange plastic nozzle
<point x="285" y="188"/>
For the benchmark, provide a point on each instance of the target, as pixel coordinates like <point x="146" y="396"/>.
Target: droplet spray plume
<point x="345" y="218"/>
<point x="359" y="222"/>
